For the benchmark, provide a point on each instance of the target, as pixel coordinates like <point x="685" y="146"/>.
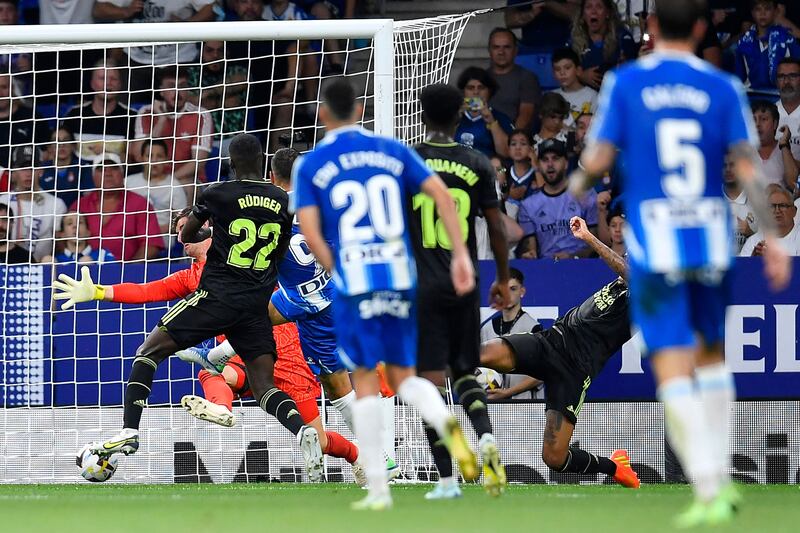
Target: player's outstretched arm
<point x="597" y="159"/>
<point x="310" y="227"/>
<point x="499" y="293"/>
<point x="614" y="261"/>
<point x="461" y="269"/>
<point x="777" y="264"/>
<point x="75" y="291"/>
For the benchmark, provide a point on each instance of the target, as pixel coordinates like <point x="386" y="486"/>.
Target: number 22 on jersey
<point x="268" y="233"/>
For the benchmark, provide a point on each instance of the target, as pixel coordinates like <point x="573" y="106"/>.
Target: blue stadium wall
<point x="50" y="357"/>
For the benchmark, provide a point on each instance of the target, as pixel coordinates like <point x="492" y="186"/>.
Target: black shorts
<point x="542" y="356"/>
<point x="202" y="315"/>
<point x="449" y="332"/>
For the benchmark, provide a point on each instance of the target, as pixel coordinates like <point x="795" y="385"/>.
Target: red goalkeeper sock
<point x="339" y="446"/>
<point x="215" y="389"/>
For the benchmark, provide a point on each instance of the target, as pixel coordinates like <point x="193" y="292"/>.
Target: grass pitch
<point x="324" y="508"/>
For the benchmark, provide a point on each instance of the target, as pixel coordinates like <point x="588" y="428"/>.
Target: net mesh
<point x="124" y="135"/>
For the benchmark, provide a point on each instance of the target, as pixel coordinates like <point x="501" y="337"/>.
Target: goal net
<point x="106" y="131"/>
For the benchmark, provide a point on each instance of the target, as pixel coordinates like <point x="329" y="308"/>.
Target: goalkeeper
<point x="566" y="357"/>
<point x="292" y="375"/>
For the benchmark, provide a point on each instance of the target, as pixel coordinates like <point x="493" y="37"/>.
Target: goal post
<point x="63" y="373"/>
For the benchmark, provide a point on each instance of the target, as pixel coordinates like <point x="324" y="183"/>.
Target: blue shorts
<point x="671" y="311"/>
<point x="377" y="327"/>
<point x="316" y="332"/>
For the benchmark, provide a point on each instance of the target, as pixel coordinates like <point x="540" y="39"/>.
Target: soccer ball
<point x="488" y="379"/>
<point x="93" y="467"/>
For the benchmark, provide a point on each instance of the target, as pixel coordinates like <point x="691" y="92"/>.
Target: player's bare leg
<point x="155" y="349"/>
<point x="277" y="403"/>
<point x="556" y="452"/>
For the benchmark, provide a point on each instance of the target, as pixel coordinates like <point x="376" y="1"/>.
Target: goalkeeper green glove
<point x="75" y="292"/>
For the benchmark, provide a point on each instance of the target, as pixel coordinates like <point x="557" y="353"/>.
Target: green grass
<point x="324" y="508"/>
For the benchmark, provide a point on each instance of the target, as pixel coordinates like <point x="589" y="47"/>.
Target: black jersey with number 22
<point x="251" y="230"/>
<point x="470" y="178"/>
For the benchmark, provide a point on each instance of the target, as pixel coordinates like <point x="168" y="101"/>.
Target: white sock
<point x="368" y="419"/>
<point x="424" y="395"/>
<point x="688" y="433"/>
<point x="221" y="353"/>
<point x="447" y="481"/>
<point x="717" y="391"/>
<point x="345" y="406"/>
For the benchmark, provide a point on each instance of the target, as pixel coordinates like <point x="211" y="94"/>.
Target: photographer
<point x="481" y="127"/>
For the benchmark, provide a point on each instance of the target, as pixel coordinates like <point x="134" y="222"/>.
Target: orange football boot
<point x="625" y="475"/>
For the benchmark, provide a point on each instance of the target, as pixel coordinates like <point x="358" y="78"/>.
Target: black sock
<point x="137" y="391"/>
<point x="282" y="407"/>
<point x="441" y="457"/>
<point x="473" y="398"/>
<point x="583" y="462"/>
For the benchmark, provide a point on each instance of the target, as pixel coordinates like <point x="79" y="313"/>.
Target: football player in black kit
<point x="566" y="358"/>
<point x="252" y="227"/>
<point x="449" y="325"/>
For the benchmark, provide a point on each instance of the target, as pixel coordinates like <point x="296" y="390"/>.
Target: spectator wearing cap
<point x="186" y="129"/>
<point x="615" y="219"/>
<point x="787" y="230"/>
<point x="19" y="124"/>
<point x="36" y="210"/>
<point x="161" y="189"/>
<point x="544" y="216"/>
<point x="518" y="89"/>
<point x="10" y="253"/>
<point x="120" y="221"/>
<point x="72" y="242"/>
<point x="482" y="127"/>
<point x="63" y="175"/>
<point x="553" y="112"/>
<point x="103" y="123"/>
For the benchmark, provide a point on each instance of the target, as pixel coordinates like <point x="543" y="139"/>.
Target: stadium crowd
<point x="99" y="148"/>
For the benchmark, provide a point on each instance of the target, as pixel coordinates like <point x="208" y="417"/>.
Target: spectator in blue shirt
<point x="481" y="127"/>
<point x="601" y="40"/>
<point x="762" y="47"/>
<point x="63" y="175"/>
<point x="543" y="23"/>
<point x="72" y="243"/>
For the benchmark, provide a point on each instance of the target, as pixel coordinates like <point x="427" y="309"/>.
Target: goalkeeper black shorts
<point x="542" y="356"/>
<point x="449" y="332"/>
<point x="201" y="316"/>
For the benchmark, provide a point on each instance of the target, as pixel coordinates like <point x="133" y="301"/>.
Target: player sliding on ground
<point x="673" y="119"/>
<point x="352" y="190"/>
<point x="566" y="358"/>
<point x="221" y="387"/>
<point x="253" y="228"/>
<point x="449" y="323"/>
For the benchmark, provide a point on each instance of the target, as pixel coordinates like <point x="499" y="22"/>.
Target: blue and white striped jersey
<point x="302" y="279"/>
<point x="673" y="118"/>
<point x="361" y="184"/>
